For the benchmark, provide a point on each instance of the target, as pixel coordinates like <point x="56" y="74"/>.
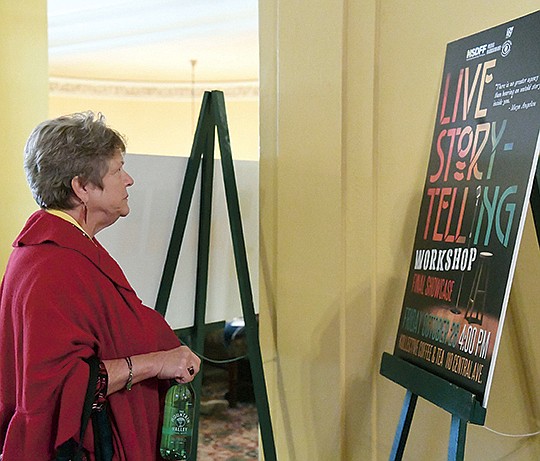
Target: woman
<point x="64" y="299"/>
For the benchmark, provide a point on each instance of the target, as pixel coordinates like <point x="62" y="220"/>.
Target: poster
<point x="481" y="166"/>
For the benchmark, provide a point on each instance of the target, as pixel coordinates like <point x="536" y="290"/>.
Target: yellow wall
<point x="166" y="127"/>
<point x="349" y="91"/>
<point x="23" y="92"/>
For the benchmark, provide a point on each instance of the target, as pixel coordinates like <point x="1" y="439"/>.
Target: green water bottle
<point x="177" y="428"/>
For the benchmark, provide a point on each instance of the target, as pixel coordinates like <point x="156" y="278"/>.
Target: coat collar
<point x="43" y="227"/>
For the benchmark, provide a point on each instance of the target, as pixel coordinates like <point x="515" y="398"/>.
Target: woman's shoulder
<point x="47" y="268"/>
<point x="47" y="256"/>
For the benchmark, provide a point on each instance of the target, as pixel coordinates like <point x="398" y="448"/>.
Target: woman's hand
<point x="180" y="364"/>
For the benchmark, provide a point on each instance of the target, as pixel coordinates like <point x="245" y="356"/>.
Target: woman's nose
<point x="129" y="180"/>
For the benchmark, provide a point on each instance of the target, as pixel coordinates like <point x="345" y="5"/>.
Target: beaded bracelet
<point x="129" y="382"/>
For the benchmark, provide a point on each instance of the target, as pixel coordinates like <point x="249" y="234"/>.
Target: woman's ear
<point x="79" y="189"/>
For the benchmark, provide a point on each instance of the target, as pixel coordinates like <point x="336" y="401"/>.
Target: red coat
<point x="63" y="299"/>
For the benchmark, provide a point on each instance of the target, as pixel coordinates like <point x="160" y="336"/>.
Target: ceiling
<point x="154" y="41"/>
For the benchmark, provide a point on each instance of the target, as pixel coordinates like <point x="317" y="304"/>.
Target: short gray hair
<point x="60" y="149"/>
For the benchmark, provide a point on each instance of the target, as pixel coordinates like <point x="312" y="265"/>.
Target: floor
<point x="225" y="433"/>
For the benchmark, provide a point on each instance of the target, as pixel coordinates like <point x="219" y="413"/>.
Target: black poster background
<point x="480" y="171"/>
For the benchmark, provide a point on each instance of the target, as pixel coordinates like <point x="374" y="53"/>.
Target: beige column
<point x="24" y="93"/>
<point x="349" y="91"/>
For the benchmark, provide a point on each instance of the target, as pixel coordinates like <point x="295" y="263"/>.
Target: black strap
<point x="70" y="450"/>
<point x="103" y="445"/>
<point x="93" y="362"/>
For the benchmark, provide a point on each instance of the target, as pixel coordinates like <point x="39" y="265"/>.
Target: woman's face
<point x="106" y="205"/>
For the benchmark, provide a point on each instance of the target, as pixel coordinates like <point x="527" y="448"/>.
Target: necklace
<point x="86" y="235"/>
<point x="67" y="217"/>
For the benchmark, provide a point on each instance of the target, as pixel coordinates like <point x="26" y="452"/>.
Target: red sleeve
<point x="50" y="310"/>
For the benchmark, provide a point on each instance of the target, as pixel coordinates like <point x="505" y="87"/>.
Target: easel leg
<point x="244" y="283"/>
<point x="458" y="432"/>
<point x="404" y="425"/>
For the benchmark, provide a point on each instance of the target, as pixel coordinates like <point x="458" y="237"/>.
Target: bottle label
<point x="180" y="424"/>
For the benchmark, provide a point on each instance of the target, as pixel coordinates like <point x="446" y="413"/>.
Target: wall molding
<point x="161" y="91"/>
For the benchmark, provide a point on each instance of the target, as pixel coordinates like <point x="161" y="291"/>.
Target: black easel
<point x="460" y="403"/>
<point x="213" y="117"/>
